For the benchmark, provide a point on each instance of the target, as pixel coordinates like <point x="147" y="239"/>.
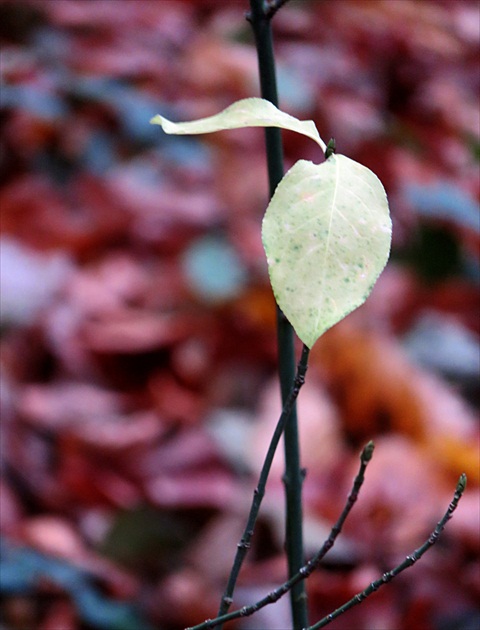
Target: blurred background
<point x="138" y="356"/>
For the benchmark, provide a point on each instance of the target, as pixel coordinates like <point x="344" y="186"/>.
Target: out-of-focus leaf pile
<point x="138" y="329"/>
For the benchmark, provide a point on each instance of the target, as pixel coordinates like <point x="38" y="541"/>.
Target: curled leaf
<point x="327" y="229"/>
<point x="248" y="112"/>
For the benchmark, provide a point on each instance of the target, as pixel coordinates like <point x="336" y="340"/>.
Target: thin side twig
<point x="268" y="9"/>
<point x="408" y="562"/>
<point x="312" y="564"/>
<point x="244" y="544"/>
<point x="272" y="6"/>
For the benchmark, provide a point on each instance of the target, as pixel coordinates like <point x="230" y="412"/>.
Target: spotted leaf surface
<point x="326" y="234"/>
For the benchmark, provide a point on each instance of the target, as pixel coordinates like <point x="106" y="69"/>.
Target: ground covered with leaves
<point x="138" y="344"/>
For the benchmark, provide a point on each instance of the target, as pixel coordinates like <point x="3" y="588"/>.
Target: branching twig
<point x="260" y="15"/>
<point x="259" y="492"/>
<point x="272" y="6"/>
<point x="268" y="9"/>
<point x="312" y="564"/>
<point x="409" y="560"/>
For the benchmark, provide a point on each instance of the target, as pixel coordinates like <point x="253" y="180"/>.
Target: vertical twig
<point x="244" y="543"/>
<point x="260" y="18"/>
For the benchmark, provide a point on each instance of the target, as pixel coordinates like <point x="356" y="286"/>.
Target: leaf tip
<point x="156" y="120"/>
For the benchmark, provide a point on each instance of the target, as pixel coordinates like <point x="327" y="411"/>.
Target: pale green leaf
<point x="249" y="112"/>
<point x="327" y="234"/>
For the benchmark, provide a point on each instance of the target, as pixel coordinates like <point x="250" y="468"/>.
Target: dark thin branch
<point x="408" y="562"/>
<point x="272" y="6"/>
<point x="293" y="478"/>
<point x="268" y="9"/>
<point x="312" y="564"/>
<point x="259" y="492"/>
